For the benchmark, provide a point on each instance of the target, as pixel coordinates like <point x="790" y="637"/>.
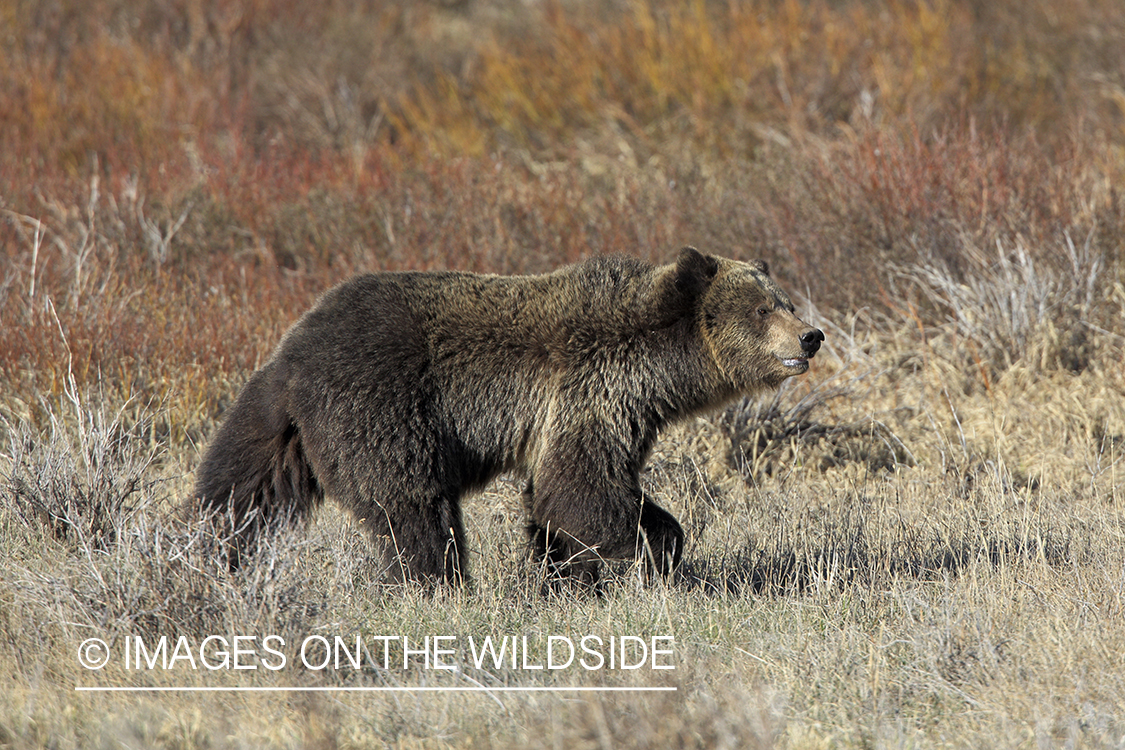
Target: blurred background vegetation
<point x="166" y="164"/>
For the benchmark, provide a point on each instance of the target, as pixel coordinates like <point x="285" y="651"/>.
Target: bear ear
<point x="761" y="266"/>
<point x="683" y="284"/>
<point x="694" y="270"/>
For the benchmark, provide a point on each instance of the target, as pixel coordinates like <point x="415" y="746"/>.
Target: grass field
<point x="921" y="543"/>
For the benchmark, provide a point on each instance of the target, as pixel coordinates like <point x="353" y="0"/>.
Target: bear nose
<point x="810" y="340"/>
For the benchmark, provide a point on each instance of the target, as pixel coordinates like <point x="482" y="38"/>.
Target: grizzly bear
<point x="399" y="393"/>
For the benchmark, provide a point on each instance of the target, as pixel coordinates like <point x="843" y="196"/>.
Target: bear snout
<point x="810" y="341"/>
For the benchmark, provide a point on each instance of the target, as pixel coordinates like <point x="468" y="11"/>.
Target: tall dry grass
<point x="890" y="552"/>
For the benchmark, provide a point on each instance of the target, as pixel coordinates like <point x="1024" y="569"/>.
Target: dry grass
<point x="924" y="562"/>
<point x="919" y="544"/>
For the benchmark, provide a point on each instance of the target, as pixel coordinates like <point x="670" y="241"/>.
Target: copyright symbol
<point x="93" y="653"/>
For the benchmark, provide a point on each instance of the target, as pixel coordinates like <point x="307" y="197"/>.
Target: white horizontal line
<point x="564" y="689"/>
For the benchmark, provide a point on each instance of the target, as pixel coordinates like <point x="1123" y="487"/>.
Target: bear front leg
<point x="575" y="524"/>
<point x="559" y="557"/>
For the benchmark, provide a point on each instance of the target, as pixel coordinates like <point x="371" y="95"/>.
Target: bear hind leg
<point x="421" y="542"/>
<point x="661" y="543"/>
<point x="246" y="494"/>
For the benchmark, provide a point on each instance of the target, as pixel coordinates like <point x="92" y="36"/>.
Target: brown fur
<point x="398" y="393"/>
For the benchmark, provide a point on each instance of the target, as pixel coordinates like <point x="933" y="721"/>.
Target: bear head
<point x="746" y="321"/>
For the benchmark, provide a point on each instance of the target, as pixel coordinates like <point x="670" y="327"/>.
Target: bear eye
<point x="763" y="311"/>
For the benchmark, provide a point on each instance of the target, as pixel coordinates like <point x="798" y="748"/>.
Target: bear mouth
<point x="795" y="362"/>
